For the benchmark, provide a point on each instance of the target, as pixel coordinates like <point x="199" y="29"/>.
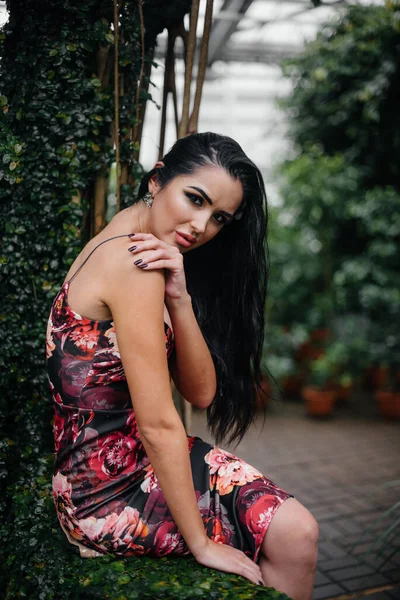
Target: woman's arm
<point x="136" y="301"/>
<point x="191" y="365"/>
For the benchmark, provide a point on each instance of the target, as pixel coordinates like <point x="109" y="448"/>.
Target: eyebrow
<point x="202" y="192"/>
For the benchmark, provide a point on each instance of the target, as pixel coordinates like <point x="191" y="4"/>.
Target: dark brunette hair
<point x="227" y="280"/>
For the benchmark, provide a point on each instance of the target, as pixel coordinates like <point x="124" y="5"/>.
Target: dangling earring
<point x="148" y="199"/>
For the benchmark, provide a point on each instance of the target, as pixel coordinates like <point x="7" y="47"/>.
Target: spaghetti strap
<point x="90" y="254"/>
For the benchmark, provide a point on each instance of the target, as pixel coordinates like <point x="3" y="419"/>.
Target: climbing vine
<point x="57" y="135"/>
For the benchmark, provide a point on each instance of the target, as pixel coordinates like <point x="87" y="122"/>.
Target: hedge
<point x="55" y="121"/>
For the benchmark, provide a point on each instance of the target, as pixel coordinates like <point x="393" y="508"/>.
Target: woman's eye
<point x="198" y="201"/>
<point x="195" y="199"/>
<point x="221" y="220"/>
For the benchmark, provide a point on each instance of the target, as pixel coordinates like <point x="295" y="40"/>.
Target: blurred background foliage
<point x="335" y="239"/>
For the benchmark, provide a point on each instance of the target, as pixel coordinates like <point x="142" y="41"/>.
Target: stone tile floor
<point x="337" y="468"/>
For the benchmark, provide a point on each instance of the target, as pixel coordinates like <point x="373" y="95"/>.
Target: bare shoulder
<point x="125" y="288"/>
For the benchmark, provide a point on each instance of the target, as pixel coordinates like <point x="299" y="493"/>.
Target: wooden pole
<point x="169" y="87"/>
<point x="142" y="70"/>
<point x="116" y="104"/>
<point x="189" y="60"/>
<point x="194" y="117"/>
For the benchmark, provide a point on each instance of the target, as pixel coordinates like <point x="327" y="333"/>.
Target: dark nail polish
<point x="137" y="262"/>
<point x="260" y="582"/>
<point x="132" y="248"/>
<point x="131" y="235"/>
<point x="143" y="266"/>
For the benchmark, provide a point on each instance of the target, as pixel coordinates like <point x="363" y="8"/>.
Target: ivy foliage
<point x="56" y="113"/>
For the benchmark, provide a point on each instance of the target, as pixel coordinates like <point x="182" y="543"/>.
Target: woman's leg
<point x="289" y="551"/>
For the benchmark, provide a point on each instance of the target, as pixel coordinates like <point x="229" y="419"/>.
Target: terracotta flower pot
<point x="319" y="403"/>
<point x="389" y="404"/>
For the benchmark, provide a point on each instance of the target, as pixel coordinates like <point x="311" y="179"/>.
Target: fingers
<point x="231" y="560"/>
<point x="154" y="244"/>
<point x="252" y="573"/>
<point x="249" y="569"/>
<point x="158" y="264"/>
<point x="158" y="255"/>
<point x="148" y="240"/>
<point x="158" y="260"/>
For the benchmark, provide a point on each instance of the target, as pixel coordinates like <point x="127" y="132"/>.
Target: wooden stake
<point x="116" y="103"/>
<point x="169" y="87"/>
<point x="142" y="70"/>
<point x="189" y="60"/>
<point x="194" y="117"/>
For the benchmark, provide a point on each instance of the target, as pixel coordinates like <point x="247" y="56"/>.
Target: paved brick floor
<point x="338" y="469"/>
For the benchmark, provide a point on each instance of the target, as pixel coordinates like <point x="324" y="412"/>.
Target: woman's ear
<point x="154" y="185"/>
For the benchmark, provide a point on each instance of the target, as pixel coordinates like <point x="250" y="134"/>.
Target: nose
<point x="199" y="224"/>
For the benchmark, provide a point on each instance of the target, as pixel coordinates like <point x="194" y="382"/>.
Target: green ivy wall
<point x="55" y="123"/>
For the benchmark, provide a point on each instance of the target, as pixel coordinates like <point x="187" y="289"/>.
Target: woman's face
<point x="198" y="205"/>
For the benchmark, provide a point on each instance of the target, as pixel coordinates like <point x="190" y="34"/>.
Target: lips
<point x="188" y="237"/>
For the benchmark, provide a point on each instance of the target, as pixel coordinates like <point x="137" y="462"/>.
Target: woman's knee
<point x="292" y="536"/>
<point x="305" y="541"/>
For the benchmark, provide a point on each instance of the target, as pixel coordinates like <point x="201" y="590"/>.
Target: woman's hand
<point x="228" y="559"/>
<point x="160" y="255"/>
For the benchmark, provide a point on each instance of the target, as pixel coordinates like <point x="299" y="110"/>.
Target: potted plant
<point x="339" y="357"/>
<point x="343" y="386"/>
<point x="376" y="371"/>
<point x="278" y="363"/>
<point x="318" y="392"/>
<point x="292" y="374"/>
<point x="349" y="352"/>
<point x="281" y="368"/>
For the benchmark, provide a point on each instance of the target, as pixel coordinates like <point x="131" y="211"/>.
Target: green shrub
<point x="55" y="123"/>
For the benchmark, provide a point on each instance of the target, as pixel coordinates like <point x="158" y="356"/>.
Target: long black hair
<point x="227" y="280"/>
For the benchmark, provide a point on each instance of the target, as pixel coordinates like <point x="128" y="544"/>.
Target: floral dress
<point x="106" y="492"/>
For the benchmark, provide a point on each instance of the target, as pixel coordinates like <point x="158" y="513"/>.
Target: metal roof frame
<point x="226" y="22"/>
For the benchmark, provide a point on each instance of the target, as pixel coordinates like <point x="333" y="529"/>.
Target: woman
<point x="174" y="286"/>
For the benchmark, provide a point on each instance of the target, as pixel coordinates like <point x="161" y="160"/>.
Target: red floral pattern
<point x="105" y="490"/>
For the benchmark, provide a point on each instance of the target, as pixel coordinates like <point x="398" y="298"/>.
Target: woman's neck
<point x="134" y="219"/>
